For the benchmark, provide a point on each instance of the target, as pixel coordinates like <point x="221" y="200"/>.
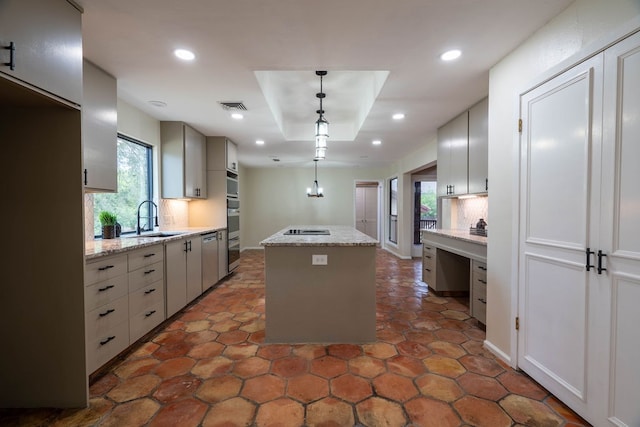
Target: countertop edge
<point x="459" y="235"/>
<point x="342" y="236"/>
<point x="127" y="244"/>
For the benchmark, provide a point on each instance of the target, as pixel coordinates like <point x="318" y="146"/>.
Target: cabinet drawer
<point x="146" y="297"/>
<point x="104" y="318"/>
<point x="103" y="347"/>
<point x="146" y="275"/>
<point x="144" y="321"/>
<point x="105" y="268"/>
<point x="479" y="280"/>
<point x="428" y="248"/>
<point x="145" y="256"/>
<point x="428" y="276"/>
<point x="479" y="309"/>
<point x="102" y="293"/>
<point x="479" y="267"/>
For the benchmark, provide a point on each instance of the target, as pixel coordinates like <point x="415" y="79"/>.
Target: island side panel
<point x="333" y="303"/>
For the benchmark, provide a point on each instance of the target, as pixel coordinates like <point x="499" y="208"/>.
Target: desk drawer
<point x="479" y="267"/>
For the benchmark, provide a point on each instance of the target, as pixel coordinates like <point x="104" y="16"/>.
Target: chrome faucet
<point x="139" y="229"/>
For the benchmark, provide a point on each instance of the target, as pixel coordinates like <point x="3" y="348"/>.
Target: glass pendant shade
<point x="315" y="190"/>
<point x="322" y="128"/>
<point x="321" y="153"/>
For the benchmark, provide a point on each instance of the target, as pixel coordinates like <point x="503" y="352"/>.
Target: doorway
<point x="368" y="208"/>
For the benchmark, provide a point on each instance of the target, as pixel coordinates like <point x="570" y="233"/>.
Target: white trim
<point x="395" y="253"/>
<point x="251" y="248"/>
<point x="499" y="353"/>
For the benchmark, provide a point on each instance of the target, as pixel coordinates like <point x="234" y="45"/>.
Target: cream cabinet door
<point x="479" y="147"/>
<point x="194" y="268"/>
<point x="47" y="45"/>
<point x="176" y="276"/>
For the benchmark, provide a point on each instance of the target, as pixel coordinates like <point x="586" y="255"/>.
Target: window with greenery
<point x="425" y="213"/>
<point x="135" y="184"/>
<point x="393" y="210"/>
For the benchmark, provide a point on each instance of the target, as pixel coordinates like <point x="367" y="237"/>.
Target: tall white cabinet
<point x="184" y="156"/>
<point x="579" y="271"/>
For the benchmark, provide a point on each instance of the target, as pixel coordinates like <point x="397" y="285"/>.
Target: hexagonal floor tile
<point x="395" y="387"/>
<point x="351" y="388"/>
<point x="219" y="388"/>
<point x="381" y="412"/>
<point x="282" y="412"/>
<point x="328" y="366"/>
<point x="444" y="366"/>
<point x="425" y="412"/>
<point x="231" y="412"/>
<point x="263" y="388"/>
<point x="307" y="388"/>
<point x="329" y="412"/>
<point x="438" y="387"/>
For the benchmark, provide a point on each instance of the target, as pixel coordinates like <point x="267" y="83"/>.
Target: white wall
<point x="585" y="26"/>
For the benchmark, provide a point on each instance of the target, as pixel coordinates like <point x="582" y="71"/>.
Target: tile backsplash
<point x="469" y="211"/>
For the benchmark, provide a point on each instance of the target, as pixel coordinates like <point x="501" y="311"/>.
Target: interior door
<point x="367" y="209"/>
<point x="619" y="222"/>
<point x="559" y="196"/>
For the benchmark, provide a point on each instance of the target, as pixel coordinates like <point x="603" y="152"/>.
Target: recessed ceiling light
<point x="450" y="55"/>
<point x="376" y="142"/>
<point x="184" y="54"/>
<point x="159" y="104"/>
<point x="260" y="142"/>
<point x="398" y="116"/>
<point x="237" y="116"/>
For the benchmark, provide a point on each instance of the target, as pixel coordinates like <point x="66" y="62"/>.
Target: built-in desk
<point x="454" y="262"/>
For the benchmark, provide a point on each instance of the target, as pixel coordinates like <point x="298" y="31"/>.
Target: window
<point x="393" y="210"/>
<point x="135" y="184"/>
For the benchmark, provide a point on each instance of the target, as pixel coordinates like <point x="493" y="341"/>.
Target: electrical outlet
<point x="319" y="260"/>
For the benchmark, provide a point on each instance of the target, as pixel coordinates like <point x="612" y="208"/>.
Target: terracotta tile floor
<point x="209" y="367"/>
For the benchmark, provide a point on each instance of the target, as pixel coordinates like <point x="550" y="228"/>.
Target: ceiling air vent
<point x="233" y="106"/>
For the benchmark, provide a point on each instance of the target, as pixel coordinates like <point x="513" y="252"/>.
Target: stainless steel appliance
<point x="223" y="265"/>
<point x="210" y="263"/>
<point x="233" y="217"/>
<point x="234" y="252"/>
<point x="232" y="185"/>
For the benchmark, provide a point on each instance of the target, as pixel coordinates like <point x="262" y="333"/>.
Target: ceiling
<point x="382" y="58"/>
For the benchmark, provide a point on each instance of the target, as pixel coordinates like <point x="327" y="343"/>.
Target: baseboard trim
<point x="261" y="248"/>
<point x="395" y="253"/>
<point x="497" y="352"/>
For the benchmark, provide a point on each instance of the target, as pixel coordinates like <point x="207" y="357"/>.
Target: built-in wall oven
<point x="232" y="185"/>
<point x="233" y="230"/>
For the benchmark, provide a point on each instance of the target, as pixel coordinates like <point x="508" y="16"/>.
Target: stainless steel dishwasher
<point x="209" y="260"/>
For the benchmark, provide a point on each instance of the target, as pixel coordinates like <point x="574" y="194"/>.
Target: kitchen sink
<point x="306" y="232"/>
<point x="159" y="234"/>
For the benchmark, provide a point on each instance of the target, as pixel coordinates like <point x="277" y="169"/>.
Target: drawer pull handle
<point x="106" y="313"/>
<point x="428" y="256"/>
<point x="484" y="282"/>
<point x="484" y="301"/>
<point x="106" y="267"/>
<point x="12" y="56"/>
<point x="150" y="313"/>
<point x="106" y="288"/>
<point x="149" y="255"/>
<point x="103" y="342"/>
<point x="149" y="271"/>
<point x="427" y="248"/>
<point x="483" y="268"/>
<point x="149" y="291"/>
<point x="428" y="270"/>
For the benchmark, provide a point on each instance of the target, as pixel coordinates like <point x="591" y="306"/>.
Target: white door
<point x="620" y="223"/>
<point x="558" y="337"/>
<point x="367" y="210"/>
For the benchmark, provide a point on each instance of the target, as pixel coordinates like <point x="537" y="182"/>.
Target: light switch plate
<point x="319" y="260"/>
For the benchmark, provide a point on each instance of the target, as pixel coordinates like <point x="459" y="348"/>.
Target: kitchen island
<point x="320" y="285"/>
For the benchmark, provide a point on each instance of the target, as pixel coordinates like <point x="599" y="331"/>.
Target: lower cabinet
<point x="106" y="309"/>
<point x="478" y="293"/>
<point x="146" y="290"/>
<point x="184" y="272"/>
<point x="124" y="299"/>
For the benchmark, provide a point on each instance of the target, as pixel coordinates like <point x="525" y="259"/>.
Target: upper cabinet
<point x="184" y="156"/>
<point x="479" y="147"/>
<point x="41" y="45"/>
<point x="463" y="153"/>
<point x="99" y="129"/>
<point x="222" y="154"/>
<point x="453" y="156"/>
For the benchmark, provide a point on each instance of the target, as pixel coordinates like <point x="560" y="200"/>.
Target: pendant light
<point x="322" y="125"/>
<point x="315" y="191"/>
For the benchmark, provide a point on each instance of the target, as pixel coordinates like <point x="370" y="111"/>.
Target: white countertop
<point x="102" y="247"/>
<point x="459" y="235"/>
<point x="339" y="236"/>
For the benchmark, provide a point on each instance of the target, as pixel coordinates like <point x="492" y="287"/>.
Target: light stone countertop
<point x="339" y="236"/>
<point x="102" y="247"/>
<point x="459" y="235"/>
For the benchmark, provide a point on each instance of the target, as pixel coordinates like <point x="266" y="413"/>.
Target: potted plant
<point x="108" y="221"/>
